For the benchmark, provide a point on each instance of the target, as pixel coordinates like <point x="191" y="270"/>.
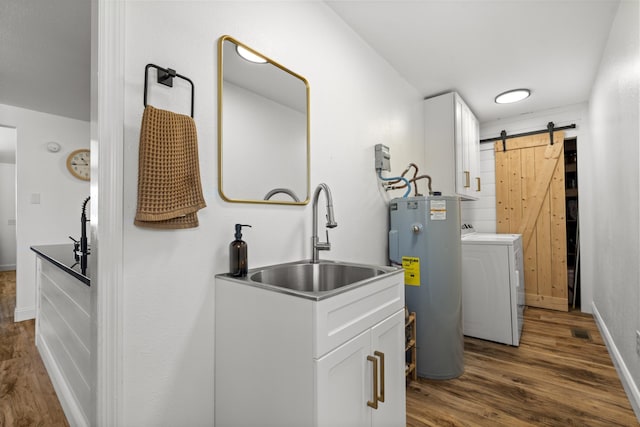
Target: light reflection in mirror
<point x="250" y="56"/>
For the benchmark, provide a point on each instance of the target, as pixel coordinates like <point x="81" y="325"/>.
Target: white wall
<point x="613" y="202"/>
<point x="481" y="213"/>
<point x="250" y="120"/>
<point x="357" y="100"/>
<point x="42" y="173"/>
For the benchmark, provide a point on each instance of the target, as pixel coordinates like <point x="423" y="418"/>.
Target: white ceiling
<point x="45" y="56"/>
<point x="478" y="48"/>
<point x="481" y="48"/>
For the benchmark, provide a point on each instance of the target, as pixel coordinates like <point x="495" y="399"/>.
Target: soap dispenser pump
<point x="238" y="254"/>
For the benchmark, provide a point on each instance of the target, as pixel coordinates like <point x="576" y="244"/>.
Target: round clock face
<point x="79" y="165"/>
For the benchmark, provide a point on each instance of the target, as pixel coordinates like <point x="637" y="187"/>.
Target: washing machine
<point x="493" y="298"/>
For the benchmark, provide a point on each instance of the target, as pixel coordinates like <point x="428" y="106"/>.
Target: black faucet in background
<point x="84" y="245"/>
<point x="81" y="247"/>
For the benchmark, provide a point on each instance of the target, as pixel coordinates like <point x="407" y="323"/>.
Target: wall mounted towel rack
<point x="165" y="77"/>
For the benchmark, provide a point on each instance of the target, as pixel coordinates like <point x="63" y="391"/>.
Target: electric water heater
<point x="424" y="236"/>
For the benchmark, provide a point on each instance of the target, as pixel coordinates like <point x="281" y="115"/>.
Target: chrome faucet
<point x="316" y="245"/>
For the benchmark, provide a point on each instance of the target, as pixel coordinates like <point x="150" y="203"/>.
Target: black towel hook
<point x="165" y="77"/>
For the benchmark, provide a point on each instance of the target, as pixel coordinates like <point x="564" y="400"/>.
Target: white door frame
<point x="106" y="262"/>
<point x="14" y="137"/>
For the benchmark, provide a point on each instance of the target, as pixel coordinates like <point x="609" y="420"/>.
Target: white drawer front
<point x="342" y="317"/>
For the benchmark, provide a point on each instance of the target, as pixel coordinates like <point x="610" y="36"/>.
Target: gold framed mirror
<point x="263" y="128"/>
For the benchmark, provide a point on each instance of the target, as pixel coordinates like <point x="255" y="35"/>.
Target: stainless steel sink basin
<point x="316" y="281"/>
<point x="315" y="277"/>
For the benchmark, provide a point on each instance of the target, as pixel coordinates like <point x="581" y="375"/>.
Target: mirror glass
<point x="263" y="129"/>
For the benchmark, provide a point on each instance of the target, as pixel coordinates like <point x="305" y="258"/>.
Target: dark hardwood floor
<point x="552" y="379"/>
<point x="27" y="397"/>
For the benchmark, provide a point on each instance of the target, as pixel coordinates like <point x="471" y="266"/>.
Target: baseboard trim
<point x="70" y="405"/>
<point x="27" y="313"/>
<point x="630" y="387"/>
<point x="7" y="267"/>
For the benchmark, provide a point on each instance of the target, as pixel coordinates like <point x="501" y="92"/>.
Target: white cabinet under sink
<point x="452" y="142"/>
<point x="345" y="379"/>
<point x="284" y="360"/>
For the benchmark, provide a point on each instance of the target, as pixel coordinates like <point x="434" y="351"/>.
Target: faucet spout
<point x="316" y="245"/>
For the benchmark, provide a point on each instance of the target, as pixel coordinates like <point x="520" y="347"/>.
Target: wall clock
<point x="78" y="163"/>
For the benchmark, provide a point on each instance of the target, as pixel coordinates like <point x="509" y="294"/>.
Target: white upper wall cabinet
<point x="452" y="146"/>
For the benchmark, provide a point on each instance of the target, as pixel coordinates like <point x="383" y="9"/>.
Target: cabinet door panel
<point x="344" y="385"/>
<point x="467" y="137"/>
<point x="474" y="156"/>
<point x="461" y="148"/>
<point x="388" y="338"/>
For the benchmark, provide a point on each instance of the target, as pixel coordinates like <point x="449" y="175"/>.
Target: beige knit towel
<point x="169" y="188"/>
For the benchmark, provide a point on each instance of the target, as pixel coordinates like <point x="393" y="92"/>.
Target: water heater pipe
<point x="397" y="178"/>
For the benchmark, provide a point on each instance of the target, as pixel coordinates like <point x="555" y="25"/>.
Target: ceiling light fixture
<point x="250" y="56"/>
<point x="511" y="96"/>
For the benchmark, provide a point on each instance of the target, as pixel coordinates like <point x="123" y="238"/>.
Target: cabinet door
<point x="388" y="339"/>
<point x="473" y="150"/>
<point x="344" y="385"/>
<point x="467" y="134"/>
<point x="467" y="151"/>
<point x="460" y="137"/>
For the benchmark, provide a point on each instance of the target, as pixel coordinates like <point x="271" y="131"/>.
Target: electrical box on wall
<point x="383" y="158"/>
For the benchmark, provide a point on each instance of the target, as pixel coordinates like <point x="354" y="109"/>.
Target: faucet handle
<point x="326" y="246"/>
<point x="322" y="246"/>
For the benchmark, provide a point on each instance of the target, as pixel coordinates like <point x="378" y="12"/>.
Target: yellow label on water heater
<point x="411" y="267"/>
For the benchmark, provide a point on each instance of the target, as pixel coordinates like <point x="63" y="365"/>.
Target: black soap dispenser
<point x="238" y="254"/>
